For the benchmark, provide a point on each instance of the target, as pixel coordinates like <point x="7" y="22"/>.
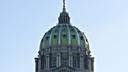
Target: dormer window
<point x="73" y="36"/>
<point x="55" y="36"/>
<point x="47" y="38"/>
<point x="81" y="38"/>
<point x="64" y="35"/>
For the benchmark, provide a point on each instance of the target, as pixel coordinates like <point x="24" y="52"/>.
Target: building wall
<point x="64" y="60"/>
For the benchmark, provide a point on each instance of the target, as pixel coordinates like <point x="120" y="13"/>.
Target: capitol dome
<point x="64" y="48"/>
<point x="64" y="35"/>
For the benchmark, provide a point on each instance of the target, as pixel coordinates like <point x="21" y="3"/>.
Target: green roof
<point x="64" y="35"/>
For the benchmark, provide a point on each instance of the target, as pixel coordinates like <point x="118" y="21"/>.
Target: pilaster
<point x="47" y="62"/>
<point x="81" y="61"/>
<point x="70" y="60"/>
<point x="58" y="63"/>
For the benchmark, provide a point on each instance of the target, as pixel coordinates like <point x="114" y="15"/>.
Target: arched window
<point x="76" y="60"/>
<point x="52" y="60"/>
<point x="64" y="59"/>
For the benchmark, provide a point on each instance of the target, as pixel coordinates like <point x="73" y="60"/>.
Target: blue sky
<point x="24" y="22"/>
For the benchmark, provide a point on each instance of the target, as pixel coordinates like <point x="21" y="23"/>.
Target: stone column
<point x="36" y="64"/>
<point x="92" y="64"/>
<point x="58" y="62"/>
<point x="47" y="62"/>
<point x="81" y="62"/>
<point x="39" y="63"/>
<point x="89" y="64"/>
<point x="70" y="60"/>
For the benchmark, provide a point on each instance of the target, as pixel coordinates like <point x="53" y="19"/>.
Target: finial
<point x="64" y="17"/>
<point x="64" y="9"/>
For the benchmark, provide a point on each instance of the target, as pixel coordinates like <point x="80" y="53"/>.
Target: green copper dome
<point x="64" y="35"/>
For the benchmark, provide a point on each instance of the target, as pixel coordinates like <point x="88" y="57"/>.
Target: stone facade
<point x="64" y="60"/>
